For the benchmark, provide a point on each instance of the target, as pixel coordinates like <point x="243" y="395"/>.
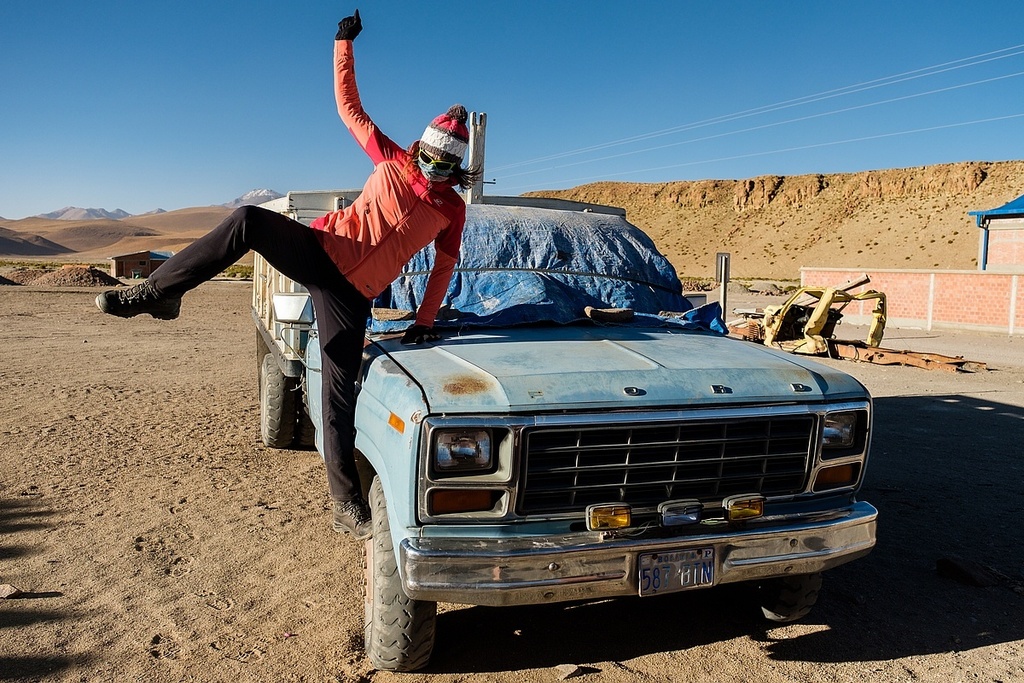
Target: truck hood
<point x="531" y="369"/>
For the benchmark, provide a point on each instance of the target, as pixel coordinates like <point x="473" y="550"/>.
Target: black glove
<point x="417" y="334"/>
<point x="349" y="27"/>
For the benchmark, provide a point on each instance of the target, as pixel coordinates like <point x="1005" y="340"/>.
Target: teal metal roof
<point x="1009" y="209"/>
<point x="152" y="255"/>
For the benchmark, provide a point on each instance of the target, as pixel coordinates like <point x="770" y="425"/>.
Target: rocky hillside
<point x="773" y="225"/>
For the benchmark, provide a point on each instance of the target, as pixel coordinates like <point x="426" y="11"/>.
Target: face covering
<point x="431" y="173"/>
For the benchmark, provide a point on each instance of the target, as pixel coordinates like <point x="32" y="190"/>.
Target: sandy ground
<point x="154" y="538"/>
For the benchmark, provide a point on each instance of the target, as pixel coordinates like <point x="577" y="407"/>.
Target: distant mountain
<point x="253" y="197"/>
<point x="73" y="213"/>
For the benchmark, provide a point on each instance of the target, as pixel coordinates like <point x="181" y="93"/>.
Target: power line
<point x="798" y="148"/>
<point x="807" y="99"/>
<point x="771" y="125"/>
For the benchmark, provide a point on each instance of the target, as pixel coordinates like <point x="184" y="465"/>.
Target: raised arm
<point x="350" y="108"/>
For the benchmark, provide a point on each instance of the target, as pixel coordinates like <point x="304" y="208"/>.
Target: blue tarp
<point x="521" y="265"/>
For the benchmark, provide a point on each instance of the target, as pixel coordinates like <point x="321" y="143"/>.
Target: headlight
<point x="462" y="451"/>
<point x="840" y="430"/>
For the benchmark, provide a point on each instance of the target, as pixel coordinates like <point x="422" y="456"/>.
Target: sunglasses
<point x="439" y="166"/>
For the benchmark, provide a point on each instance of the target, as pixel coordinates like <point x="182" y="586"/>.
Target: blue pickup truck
<point x="579" y="431"/>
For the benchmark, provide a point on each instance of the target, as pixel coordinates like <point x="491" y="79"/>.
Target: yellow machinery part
<point x="828" y="304"/>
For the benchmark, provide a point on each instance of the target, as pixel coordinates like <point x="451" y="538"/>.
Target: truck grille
<point x="568" y="468"/>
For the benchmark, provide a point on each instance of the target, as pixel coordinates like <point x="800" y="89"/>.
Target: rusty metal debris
<point x="857" y="351"/>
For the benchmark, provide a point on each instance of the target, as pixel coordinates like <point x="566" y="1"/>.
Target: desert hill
<point x="197" y="220"/>
<point x="773" y="225"/>
<point x="95" y="233"/>
<point x="14" y="243"/>
<point x="98" y="239"/>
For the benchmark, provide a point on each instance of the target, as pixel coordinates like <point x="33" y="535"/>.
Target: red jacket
<point x="394" y="217"/>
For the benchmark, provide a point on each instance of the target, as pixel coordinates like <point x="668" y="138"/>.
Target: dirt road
<point x="154" y="538"/>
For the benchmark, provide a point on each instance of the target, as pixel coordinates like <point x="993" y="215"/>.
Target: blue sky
<point x="139" y="105"/>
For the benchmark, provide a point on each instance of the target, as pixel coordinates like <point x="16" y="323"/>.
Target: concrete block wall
<point x="966" y="299"/>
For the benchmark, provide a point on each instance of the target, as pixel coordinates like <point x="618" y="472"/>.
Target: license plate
<point x="676" y="570"/>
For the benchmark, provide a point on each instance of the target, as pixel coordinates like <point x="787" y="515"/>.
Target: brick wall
<point x="981" y="300"/>
<point x="1006" y="250"/>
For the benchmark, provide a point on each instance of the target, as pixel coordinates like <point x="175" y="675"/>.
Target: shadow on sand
<point x="26" y="609"/>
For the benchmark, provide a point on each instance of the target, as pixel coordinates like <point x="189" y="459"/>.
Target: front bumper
<point x="522" y="571"/>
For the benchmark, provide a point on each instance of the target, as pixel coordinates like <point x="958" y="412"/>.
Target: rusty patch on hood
<point x="465" y="384"/>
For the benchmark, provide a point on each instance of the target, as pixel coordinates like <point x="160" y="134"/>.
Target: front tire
<point x="789" y="598"/>
<point x="399" y="631"/>
<point x="277" y="405"/>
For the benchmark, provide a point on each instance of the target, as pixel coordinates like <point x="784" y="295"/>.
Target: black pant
<point x="341" y="313"/>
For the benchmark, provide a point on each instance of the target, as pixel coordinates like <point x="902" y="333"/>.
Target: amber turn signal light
<point x="742" y="508"/>
<point x="836" y="477"/>
<point x="451" y="501"/>
<point x="608" y="516"/>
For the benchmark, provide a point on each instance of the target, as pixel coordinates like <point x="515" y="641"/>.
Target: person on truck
<point x="345" y="259"/>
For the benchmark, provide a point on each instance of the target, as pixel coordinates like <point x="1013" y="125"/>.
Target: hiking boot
<point x="352" y="516"/>
<point x="142" y="298"/>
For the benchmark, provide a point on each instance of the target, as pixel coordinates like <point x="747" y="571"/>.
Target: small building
<point x="1001" y="243"/>
<point x="137" y="265"/>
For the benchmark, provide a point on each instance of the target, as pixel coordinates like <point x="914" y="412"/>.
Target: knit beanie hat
<point x="447" y="137"/>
